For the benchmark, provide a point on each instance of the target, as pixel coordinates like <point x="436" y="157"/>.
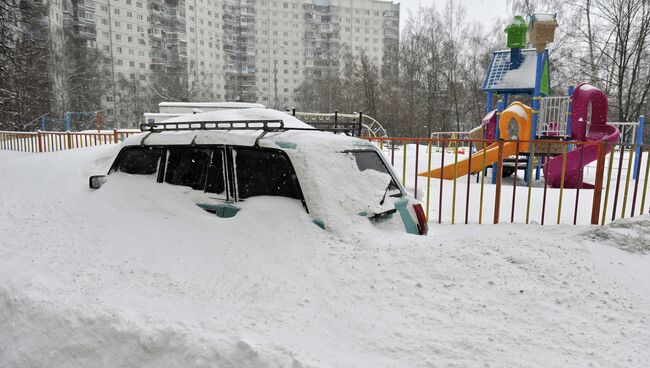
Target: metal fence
<point x="57" y="141"/>
<point x="609" y="183"/>
<point x="614" y="185"/>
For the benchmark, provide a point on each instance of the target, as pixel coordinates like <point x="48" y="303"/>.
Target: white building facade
<point x="221" y="50"/>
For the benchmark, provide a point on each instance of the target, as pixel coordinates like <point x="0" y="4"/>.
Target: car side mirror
<point x="96" y="181"/>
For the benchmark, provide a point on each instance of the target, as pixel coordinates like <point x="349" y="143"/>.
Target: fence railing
<point x="42" y="141"/>
<point x="570" y="182"/>
<point x="588" y="183"/>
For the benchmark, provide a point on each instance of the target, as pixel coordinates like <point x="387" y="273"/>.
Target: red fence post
<point x="115" y="135"/>
<point x="598" y="185"/>
<point x="69" y="139"/>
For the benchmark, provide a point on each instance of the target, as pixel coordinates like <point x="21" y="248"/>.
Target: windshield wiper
<point x="383" y="198"/>
<point x="388" y="188"/>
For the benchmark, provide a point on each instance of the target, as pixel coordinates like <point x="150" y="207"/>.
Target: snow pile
<point x="241" y="114"/>
<point x="544" y="17"/>
<point x="632" y="235"/>
<point x="522" y="77"/>
<point x="134" y="274"/>
<point x="519" y="110"/>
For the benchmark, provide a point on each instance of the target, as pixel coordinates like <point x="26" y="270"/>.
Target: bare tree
<point x="25" y="80"/>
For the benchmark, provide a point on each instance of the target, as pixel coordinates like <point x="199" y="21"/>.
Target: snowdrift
<point x="135" y="275"/>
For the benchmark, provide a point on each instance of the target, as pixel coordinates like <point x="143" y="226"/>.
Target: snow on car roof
<point x="242" y="137"/>
<point x="221" y="105"/>
<point x="242" y="114"/>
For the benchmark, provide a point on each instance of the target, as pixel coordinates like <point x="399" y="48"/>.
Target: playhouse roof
<point x="501" y="79"/>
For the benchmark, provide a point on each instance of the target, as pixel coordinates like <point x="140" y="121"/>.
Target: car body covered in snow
<point x="229" y="157"/>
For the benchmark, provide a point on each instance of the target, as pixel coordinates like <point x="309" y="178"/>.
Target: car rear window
<point x="262" y="172"/>
<point x="139" y="160"/>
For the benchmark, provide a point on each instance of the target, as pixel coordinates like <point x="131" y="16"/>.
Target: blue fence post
<point x="67" y="121"/>
<point x="637" y="150"/>
<point x="536" y="105"/>
<point x="42" y="123"/>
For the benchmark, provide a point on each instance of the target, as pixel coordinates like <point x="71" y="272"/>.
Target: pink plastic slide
<point x="599" y="130"/>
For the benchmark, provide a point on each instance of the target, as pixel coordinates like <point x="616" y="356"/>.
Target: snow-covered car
<point x="226" y="158"/>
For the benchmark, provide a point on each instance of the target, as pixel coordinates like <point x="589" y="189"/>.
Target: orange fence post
<point x="69" y="139"/>
<point x="598" y="185"/>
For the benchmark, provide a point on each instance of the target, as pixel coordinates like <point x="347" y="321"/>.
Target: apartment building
<point x="221" y="50"/>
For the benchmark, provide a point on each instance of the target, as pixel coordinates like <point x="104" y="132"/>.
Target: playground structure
<point x="454" y="145"/>
<point x="578" y="118"/>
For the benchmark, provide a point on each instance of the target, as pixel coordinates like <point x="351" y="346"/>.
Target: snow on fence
<point x="476" y="196"/>
<point x="56" y="141"/>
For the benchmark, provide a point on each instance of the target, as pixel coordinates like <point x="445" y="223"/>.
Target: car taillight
<point x="423" y="227"/>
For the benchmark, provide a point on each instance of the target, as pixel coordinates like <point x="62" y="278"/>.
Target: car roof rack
<point x="349" y="128"/>
<point x="266" y="125"/>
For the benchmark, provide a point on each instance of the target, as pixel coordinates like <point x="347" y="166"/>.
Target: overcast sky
<point x="483" y="11"/>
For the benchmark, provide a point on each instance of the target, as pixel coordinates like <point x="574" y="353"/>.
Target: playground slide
<point x="585" y="154"/>
<point x="478" y="163"/>
<point x="584" y="97"/>
<point x="518" y="112"/>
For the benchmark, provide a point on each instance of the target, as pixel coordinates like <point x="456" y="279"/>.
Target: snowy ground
<point x="129" y="277"/>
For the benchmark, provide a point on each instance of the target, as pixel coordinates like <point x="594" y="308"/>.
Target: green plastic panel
<point x="409" y="225"/>
<point x="224" y="210"/>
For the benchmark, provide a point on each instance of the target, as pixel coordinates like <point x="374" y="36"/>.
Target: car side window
<point x="216" y="178"/>
<point x="264" y="172"/>
<point x="187" y="167"/>
<point x="139" y="160"/>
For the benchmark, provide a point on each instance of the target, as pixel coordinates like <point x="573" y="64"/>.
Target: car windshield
<point x="357" y="180"/>
<point x="139" y="160"/>
<point x="370" y="160"/>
